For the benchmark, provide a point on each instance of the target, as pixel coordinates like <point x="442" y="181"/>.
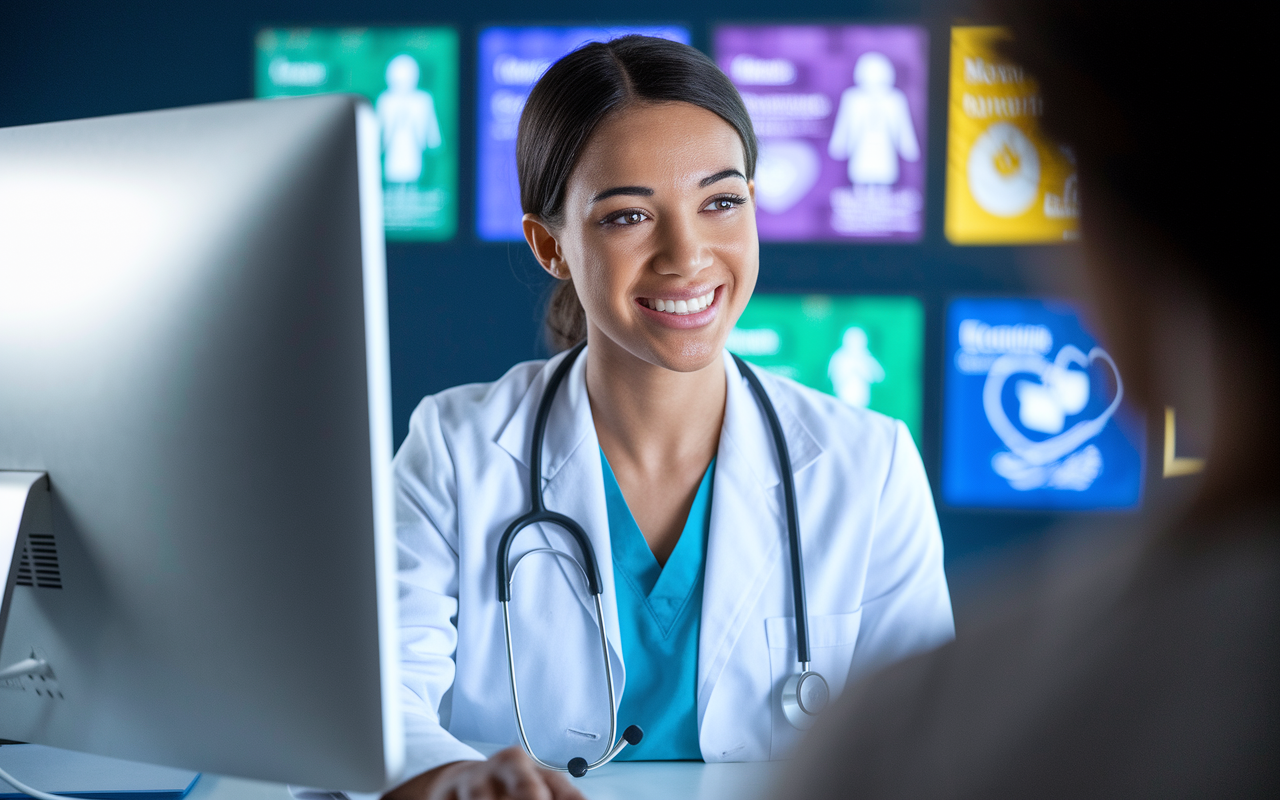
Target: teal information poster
<point x="866" y="350"/>
<point x="410" y="75"/>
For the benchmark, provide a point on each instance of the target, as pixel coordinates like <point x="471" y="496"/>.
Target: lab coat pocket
<point x="831" y="642"/>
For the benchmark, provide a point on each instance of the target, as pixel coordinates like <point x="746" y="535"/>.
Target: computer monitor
<point x="194" y="349"/>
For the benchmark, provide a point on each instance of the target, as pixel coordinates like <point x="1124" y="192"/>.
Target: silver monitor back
<point x="194" y="347"/>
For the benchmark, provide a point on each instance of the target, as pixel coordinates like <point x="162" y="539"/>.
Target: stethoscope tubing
<point x="793" y="515"/>
<point x="538" y="511"/>
<point x="589" y="566"/>
<point x="608" y="673"/>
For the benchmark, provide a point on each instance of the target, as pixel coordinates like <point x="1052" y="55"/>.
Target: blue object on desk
<point x="82" y="775"/>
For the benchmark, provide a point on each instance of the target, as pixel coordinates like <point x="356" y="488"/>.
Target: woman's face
<point x="659" y="234"/>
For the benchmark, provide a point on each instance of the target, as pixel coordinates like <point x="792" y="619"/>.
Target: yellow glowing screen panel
<point x="1006" y="182"/>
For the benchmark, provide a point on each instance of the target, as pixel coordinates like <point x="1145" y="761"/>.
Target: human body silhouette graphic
<point x="408" y="118"/>
<point x="873" y="125"/>
<point x="853" y="369"/>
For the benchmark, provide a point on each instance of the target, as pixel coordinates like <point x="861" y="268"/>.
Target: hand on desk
<point x="508" y="775"/>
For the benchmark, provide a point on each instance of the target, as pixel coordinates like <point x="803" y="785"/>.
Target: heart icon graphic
<point x="786" y="169"/>
<point x="1052" y="449"/>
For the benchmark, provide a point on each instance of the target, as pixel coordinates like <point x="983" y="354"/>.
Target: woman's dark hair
<point x="571" y="100"/>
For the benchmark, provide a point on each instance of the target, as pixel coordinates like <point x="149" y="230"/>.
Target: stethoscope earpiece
<point x="577" y="767"/>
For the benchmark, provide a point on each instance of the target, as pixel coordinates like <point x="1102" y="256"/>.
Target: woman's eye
<point x="627" y="218"/>
<point x="724" y="203"/>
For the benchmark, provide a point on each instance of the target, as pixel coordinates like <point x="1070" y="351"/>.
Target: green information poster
<point x="411" y="77"/>
<point x="868" y="351"/>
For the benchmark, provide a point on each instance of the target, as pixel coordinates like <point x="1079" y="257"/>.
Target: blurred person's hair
<point x="1165" y="109"/>
<point x="570" y="101"/>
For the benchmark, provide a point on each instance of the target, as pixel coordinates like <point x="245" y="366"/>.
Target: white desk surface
<point x="665" y="780"/>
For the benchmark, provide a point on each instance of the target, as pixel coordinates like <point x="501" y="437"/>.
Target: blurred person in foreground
<point x="1145" y="665"/>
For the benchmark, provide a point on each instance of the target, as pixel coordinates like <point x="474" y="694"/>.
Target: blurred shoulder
<point x="1113" y="663"/>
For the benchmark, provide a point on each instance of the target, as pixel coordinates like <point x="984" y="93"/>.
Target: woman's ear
<point x="545" y="247"/>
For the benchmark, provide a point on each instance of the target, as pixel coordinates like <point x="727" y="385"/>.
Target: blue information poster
<point x="511" y="61"/>
<point x="1034" y="412"/>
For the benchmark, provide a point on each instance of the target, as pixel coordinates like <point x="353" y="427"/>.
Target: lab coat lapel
<point x="573" y="482"/>
<point x="748" y="534"/>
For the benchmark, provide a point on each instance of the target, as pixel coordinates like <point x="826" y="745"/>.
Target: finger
<point x="520" y="776"/>
<point x="513" y="753"/>
<point x="448" y="784"/>
<point x="477" y="785"/>
<point x="562" y="786"/>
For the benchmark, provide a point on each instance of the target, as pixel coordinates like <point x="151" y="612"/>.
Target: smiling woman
<point x="656" y="236"/>
<point x="694" y="481"/>
<point x="576" y="95"/>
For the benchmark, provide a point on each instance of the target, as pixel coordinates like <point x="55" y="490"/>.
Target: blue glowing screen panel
<point x="1034" y="412"/>
<point x="511" y="61"/>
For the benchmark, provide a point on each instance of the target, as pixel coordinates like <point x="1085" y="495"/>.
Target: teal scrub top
<point x="659" y="613"/>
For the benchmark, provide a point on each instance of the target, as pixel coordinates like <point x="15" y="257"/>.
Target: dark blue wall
<point x="465" y="310"/>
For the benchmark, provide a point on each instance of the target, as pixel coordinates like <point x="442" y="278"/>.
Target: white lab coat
<point x="872" y="562"/>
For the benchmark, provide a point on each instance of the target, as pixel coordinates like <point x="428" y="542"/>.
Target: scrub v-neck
<point x="659" y="614"/>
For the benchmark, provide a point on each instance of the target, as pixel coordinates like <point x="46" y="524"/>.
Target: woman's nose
<point x="682" y="250"/>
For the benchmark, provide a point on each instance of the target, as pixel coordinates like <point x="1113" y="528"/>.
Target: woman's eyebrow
<point x="644" y="191"/>
<point x="719" y="176"/>
<point x="638" y="191"/>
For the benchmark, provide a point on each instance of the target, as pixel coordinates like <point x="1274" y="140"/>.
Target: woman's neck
<point x="650" y="419"/>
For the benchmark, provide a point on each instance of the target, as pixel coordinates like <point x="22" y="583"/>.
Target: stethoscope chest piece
<point x="804" y="696"/>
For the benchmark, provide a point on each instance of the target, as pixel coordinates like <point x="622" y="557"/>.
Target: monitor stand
<point x="24" y="509"/>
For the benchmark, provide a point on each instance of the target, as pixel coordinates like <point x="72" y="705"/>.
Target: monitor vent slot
<point x="39" y="564"/>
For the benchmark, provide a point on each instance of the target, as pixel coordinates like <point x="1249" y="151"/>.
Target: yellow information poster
<point x="1006" y="182"/>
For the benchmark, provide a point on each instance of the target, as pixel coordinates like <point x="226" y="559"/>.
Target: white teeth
<point x="682" y="307"/>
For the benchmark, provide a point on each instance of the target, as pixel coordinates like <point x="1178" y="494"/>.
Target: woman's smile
<point x="681" y="309"/>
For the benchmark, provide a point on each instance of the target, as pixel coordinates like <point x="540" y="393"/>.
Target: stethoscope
<point x="804" y="694"/>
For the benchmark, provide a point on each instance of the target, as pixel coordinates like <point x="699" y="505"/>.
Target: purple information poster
<point x="840" y="114"/>
<point x="511" y="61"/>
